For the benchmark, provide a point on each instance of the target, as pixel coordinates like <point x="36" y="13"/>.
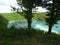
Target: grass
<point x="12" y="16"/>
<point x="39" y="16"/>
<point x="16" y="16"/>
<point x="22" y="37"/>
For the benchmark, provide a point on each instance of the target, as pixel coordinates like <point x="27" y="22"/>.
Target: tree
<point x="28" y="5"/>
<point x="53" y="13"/>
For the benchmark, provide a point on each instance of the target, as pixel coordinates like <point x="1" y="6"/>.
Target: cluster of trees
<point x="52" y="5"/>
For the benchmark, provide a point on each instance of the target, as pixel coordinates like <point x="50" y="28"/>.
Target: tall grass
<point x="21" y="37"/>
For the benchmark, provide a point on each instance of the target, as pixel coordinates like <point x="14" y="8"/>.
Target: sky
<point x="5" y="6"/>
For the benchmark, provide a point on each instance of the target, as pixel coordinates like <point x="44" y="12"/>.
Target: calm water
<point x="35" y="24"/>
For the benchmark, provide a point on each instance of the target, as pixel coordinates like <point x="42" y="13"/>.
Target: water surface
<point x="35" y="24"/>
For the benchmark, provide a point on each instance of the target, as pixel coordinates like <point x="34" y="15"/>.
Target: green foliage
<point x="29" y="3"/>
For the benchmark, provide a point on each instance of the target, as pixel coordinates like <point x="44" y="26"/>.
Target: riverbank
<point x="22" y="37"/>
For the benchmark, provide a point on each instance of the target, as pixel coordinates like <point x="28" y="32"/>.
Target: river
<point x="35" y="24"/>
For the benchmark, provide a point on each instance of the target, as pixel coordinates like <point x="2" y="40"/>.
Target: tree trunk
<point x="50" y="28"/>
<point x="29" y="18"/>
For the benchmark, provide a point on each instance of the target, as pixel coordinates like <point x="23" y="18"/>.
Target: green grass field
<point x="39" y="16"/>
<point x="12" y="16"/>
<point x="16" y="16"/>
